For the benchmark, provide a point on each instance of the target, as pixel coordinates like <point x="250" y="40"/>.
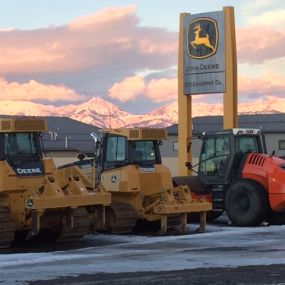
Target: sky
<point x="69" y="51"/>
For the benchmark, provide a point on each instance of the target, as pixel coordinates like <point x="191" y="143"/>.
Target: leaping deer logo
<point x="201" y="40"/>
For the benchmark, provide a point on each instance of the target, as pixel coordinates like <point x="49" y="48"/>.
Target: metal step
<point x="218" y="197"/>
<point x="218" y="200"/>
<point x="218" y="210"/>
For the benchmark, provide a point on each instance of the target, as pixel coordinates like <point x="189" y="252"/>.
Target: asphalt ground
<point x="272" y="274"/>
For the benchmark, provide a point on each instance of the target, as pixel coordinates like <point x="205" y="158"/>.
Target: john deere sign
<point x="203" y="52"/>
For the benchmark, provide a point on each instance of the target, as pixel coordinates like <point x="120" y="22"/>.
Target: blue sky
<point x="32" y="14"/>
<point x="59" y="52"/>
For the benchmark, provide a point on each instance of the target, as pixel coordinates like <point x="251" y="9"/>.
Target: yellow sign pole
<point x="184" y="111"/>
<point x="230" y="96"/>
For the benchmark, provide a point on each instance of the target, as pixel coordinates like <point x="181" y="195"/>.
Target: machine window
<point x="116" y="149"/>
<point x="19" y="144"/>
<point x="143" y="151"/>
<point x="281" y="144"/>
<point x="214" y="156"/>
<point x="175" y="146"/>
<point x="247" y="144"/>
<point x="208" y="149"/>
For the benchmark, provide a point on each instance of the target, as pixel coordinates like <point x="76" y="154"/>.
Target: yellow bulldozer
<point x="128" y="165"/>
<point x="36" y="198"/>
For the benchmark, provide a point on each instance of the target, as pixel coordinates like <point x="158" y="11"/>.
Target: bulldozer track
<point x="7" y="227"/>
<point x="120" y="218"/>
<point x="81" y="224"/>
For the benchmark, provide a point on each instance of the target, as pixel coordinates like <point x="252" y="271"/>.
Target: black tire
<point x="246" y="203"/>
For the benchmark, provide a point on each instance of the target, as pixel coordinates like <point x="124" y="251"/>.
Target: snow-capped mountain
<point x="101" y="113"/>
<point x="96" y="111"/>
<point x="161" y="117"/>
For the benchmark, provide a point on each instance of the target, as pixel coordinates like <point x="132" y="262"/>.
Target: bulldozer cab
<point x="222" y="153"/>
<point x="20" y="145"/>
<point x="124" y="148"/>
<point x="128" y="146"/>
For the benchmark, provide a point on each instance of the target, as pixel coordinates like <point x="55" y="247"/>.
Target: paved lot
<point x="136" y="259"/>
<point x="271" y="274"/>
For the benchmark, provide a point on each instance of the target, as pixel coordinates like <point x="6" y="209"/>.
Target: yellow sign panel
<point x="204" y="53"/>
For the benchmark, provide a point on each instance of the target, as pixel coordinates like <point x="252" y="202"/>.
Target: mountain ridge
<point x="101" y="113"/>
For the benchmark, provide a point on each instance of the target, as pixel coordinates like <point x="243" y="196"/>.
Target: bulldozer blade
<point x="163" y="225"/>
<point x="183" y="223"/>
<point x="35" y="225"/>
<point x="203" y="219"/>
<point x="68" y="220"/>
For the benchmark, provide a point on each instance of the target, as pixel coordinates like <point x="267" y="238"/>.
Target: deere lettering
<point x="203" y="67"/>
<point x="29" y="170"/>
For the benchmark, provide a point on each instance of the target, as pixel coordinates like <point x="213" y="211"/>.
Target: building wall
<point x="166" y="149"/>
<point x="274" y="142"/>
<point x="169" y="153"/>
<point x="62" y="157"/>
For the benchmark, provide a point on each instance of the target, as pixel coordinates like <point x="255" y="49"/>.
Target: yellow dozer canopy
<point x="139" y="133"/>
<point x="23" y="125"/>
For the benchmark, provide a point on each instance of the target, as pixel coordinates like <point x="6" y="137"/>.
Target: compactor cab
<point x="128" y="164"/>
<point x="239" y="177"/>
<point x="222" y="153"/>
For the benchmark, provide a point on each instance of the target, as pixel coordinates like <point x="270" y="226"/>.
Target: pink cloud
<point x="162" y="90"/>
<point x="270" y="85"/>
<point x="165" y="89"/>
<point x="108" y="38"/>
<point x="271" y="18"/>
<point x="259" y="43"/>
<point x="34" y="90"/>
<point x="158" y="90"/>
<point x="104" y="16"/>
<point x="128" y="89"/>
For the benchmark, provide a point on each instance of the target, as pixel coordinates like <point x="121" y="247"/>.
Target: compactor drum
<point x="128" y="165"/>
<point x="36" y="199"/>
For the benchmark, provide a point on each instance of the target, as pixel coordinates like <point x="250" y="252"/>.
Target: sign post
<point x="230" y="96"/>
<point x="184" y="109"/>
<point x="206" y="64"/>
